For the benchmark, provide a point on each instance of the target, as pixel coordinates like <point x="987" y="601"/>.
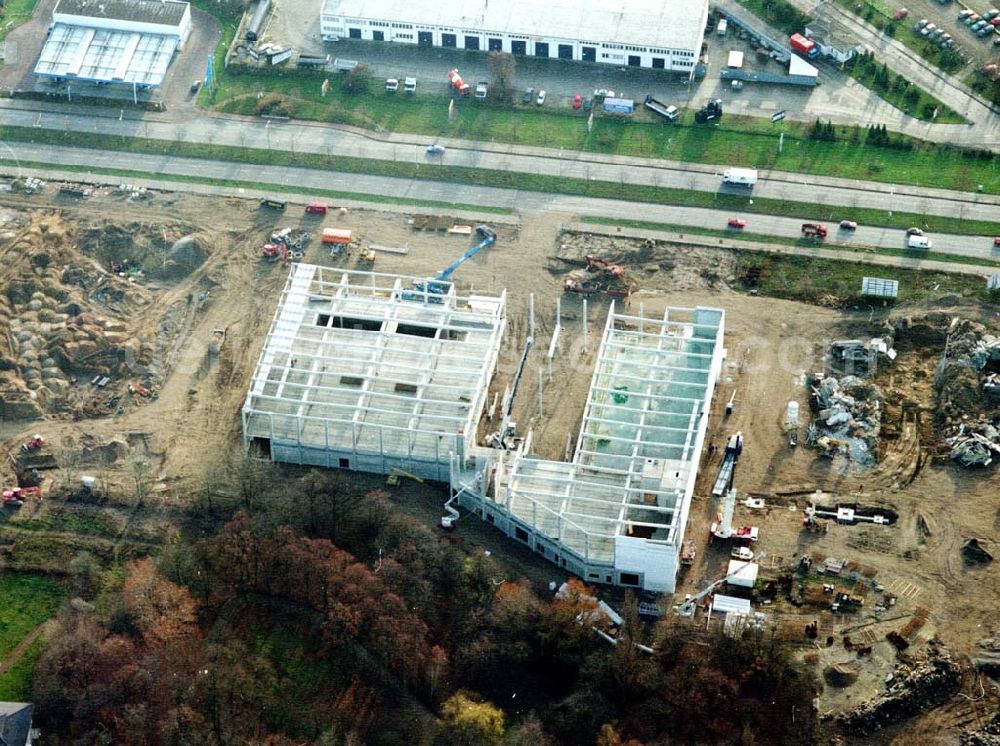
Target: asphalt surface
<point x="522" y="201"/>
<point x="303" y="137"/>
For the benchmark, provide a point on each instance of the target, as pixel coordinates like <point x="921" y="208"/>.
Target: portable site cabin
<point x="339" y="236"/>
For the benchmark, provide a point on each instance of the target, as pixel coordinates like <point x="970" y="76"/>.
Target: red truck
<point x="316" y="207"/>
<point x="804" y="46"/>
<point x="457" y="83"/>
<point x="815" y="231"/>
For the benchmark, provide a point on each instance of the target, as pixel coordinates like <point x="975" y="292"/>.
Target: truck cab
<point x="410" y="85"/>
<point x="814" y="230"/>
<point x="392" y="85"/>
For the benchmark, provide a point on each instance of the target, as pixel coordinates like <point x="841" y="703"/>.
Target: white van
<point x="918" y="242"/>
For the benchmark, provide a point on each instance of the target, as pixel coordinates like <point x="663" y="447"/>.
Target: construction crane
<point x="690" y="603"/>
<point x="440" y="284"/>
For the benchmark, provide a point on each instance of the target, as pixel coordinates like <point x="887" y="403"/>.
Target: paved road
<point x="472" y="195"/>
<point x="837" y="196"/>
<point x="899" y="57"/>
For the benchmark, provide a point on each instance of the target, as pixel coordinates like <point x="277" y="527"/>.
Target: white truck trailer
<point x="740" y="176"/>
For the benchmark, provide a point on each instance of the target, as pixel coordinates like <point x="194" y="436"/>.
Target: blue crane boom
<point x="439" y="285"/>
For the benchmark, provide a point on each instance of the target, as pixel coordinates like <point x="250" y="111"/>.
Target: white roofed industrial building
<point x="114" y="41"/>
<point x="637" y="33"/>
<point x="359" y="372"/>
<point x="617" y="512"/>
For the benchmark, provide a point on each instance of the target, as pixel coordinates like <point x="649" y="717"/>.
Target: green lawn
<point x="28" y="600"/>
<point x="736" y="141"/>
<point x="805" y="244"/>
<point x="810" y="280"/>
<point x="15" y="12"/>
<point x="898" y="91"/>
<point x="15" y="685"/>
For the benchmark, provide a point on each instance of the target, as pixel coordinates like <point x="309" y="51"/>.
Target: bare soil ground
<point x="170" y="438"/>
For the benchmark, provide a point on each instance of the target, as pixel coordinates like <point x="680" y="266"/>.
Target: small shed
<point x="743" y="574"/>
<point x="730" y="605"/>
<point x="336" y="236"/>
<point x="735" y="59"/>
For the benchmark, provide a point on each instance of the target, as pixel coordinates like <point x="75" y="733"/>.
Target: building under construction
<point x="361" y="371"/>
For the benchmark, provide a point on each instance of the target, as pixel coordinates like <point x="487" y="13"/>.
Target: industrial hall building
<point x="129" y="42"/>
<point x="636" y="33"/>
<point x="373" y="372"/>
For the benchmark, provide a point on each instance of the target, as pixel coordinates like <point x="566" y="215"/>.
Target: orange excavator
<point x="599" y="276"/>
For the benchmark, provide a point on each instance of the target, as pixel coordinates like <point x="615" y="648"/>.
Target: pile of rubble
<point x="988" y="736"/>
<point x="848" y="417"/>
<point x="911" y="692"/>
<point x="968" y="389"/>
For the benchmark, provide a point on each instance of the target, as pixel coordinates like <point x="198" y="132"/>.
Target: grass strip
<point x="491" y="178"/>
<point x="803" y="243"/>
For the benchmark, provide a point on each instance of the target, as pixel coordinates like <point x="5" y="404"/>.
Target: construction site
<point x="576" y="402"/>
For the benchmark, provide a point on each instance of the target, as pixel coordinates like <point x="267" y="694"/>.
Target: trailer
<point x="733" y="450"/>
<point x="665" y="110"/>
<point x="257" y="20"/>
<point x="339" y="236"/>
<point x="740" y="176"/>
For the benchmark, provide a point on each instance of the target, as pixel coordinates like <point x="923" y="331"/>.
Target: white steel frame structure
<point x="361" y="372"/>
<point x="617" y="512"/>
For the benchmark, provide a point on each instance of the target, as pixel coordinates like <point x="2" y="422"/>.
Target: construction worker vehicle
<point x="33" y="445"/>
<point x="599" y="276"/>
<point x="16" y="497"/>
<point x="433" y="289"/>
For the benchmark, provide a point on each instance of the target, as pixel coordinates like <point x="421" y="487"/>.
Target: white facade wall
<point x="334" y="28"/>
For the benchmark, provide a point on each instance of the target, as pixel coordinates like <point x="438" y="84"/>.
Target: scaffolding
<point x="616" y="513"/>
<point x="361" y="372"/>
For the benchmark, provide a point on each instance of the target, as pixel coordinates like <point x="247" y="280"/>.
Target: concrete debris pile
<point x="968" y="388"/>
<point x="911" y="691"/>
<point x="975" y="444"/>
<point x="989" y="735"/>
<point x="848" y="417"/>
<point x="29" y="185"/>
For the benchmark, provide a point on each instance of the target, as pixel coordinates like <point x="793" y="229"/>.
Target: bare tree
<point x="502" y="67"/>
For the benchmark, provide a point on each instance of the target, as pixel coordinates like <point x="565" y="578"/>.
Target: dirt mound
<point x="157" y="250"/>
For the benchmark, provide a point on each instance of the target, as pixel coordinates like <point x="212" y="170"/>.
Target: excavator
<point x="432" y="290"/>
<point x="600" y="275"/>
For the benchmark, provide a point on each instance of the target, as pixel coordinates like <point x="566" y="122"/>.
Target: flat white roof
<point x="673" y="24"/>
<point x="106" y="56"/>
<point x="637" y="447"/>
<point x="798" y="66"/>
<point x="357" y="361"/>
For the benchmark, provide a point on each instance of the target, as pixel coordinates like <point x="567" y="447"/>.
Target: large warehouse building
<point x="360" y="371"/>
<point x="637" y="33"/>
<point x="114" y="41"/>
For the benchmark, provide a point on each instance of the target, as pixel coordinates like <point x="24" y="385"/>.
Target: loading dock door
<point x="472" y="42"/>
<point x="496" y="45"/>
<point x="589" y="54"/>
<point x="541" y="49"/>
<point x="449" y="40"/>
<point x="565" y="51"/>
<point x="519" y="47"/>
<point x="378" y="36"/>
<point x="634" y="60"/>
<point x="425" y="38"/>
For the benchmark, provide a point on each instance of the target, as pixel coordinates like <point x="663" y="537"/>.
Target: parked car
<point x="588" y="104"/>
<point x="995" y="22"/>
<point x="435" y="150"/>
<point x="604" y="92"/>
<point x="529" y="93"/>
<point x="996" y="242"/>
<point x="991" y="13"/>
<point x="737" y="223"/>
<point x="996" y="42"/>
<point x="920" y="24"/>
<point x="541" y="98"/>
<point x="848" y="225"/>
<point x="965" y="14"/>
<point x="900" y="14"/>
<point x="737" y="85"/>
<point x="914" y="232"/>
<point x="577" y="101"/>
